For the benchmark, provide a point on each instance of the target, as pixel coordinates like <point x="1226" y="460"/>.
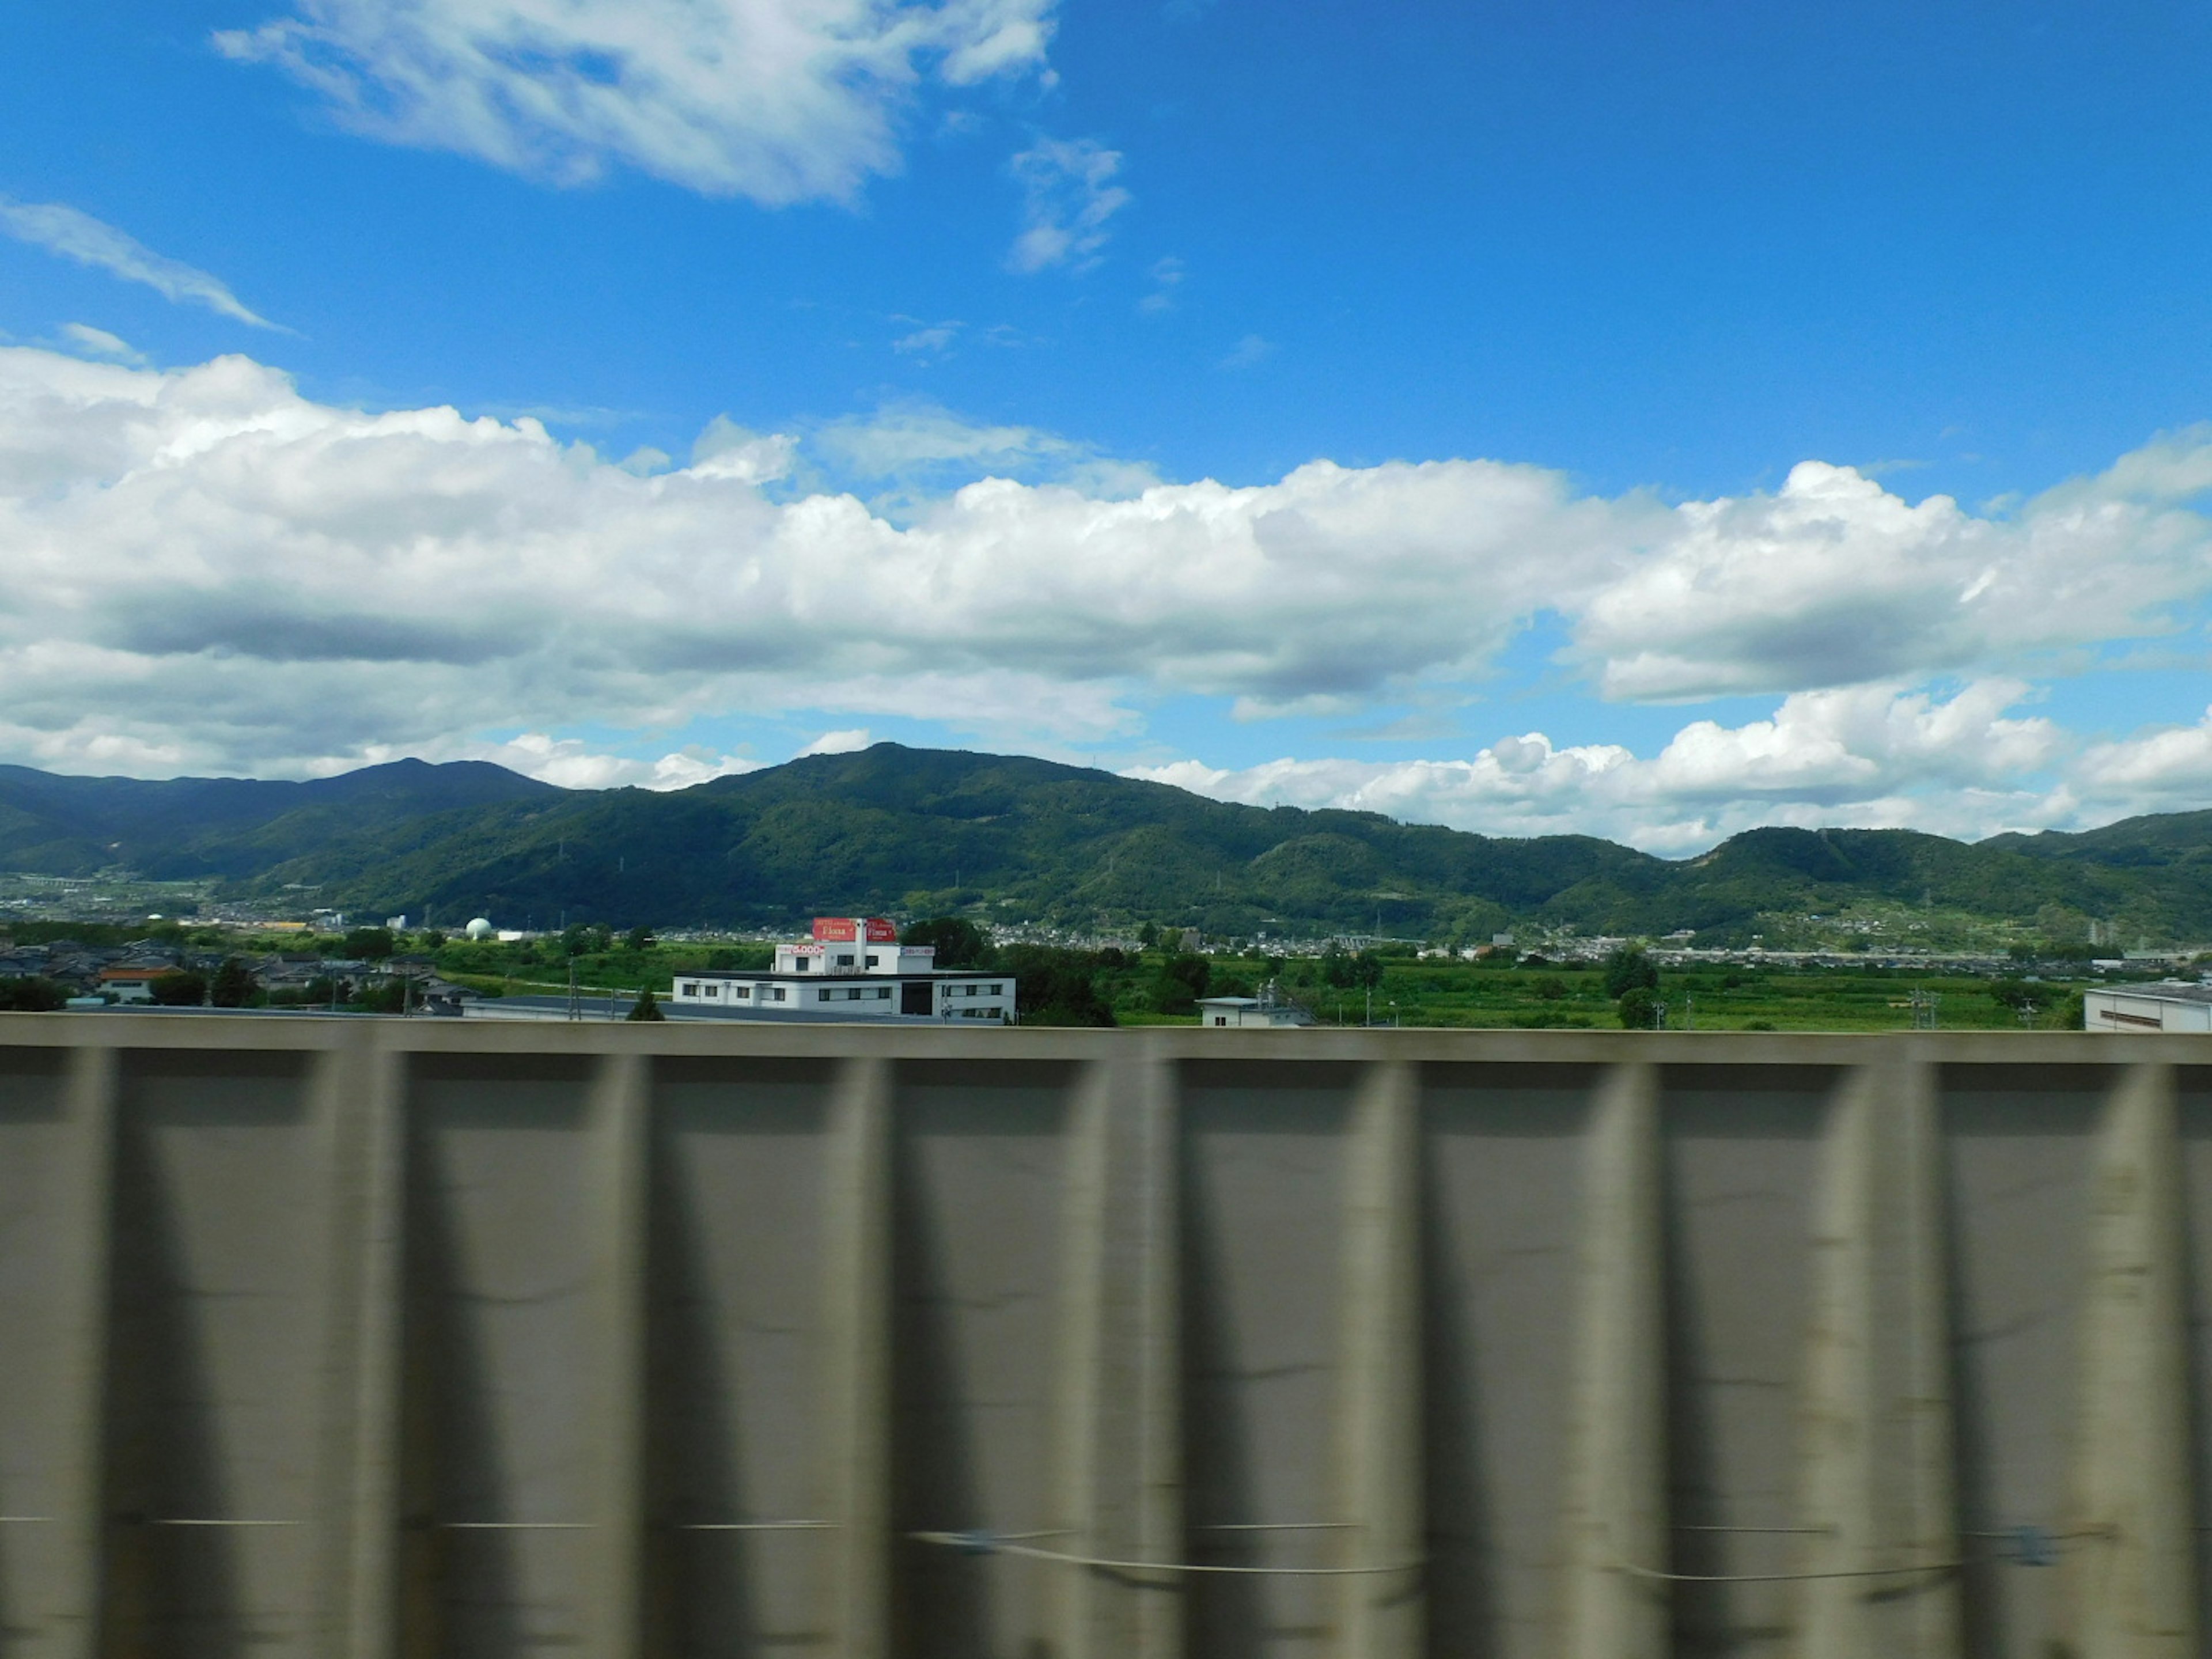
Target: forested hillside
<point x="1007" y="837"/>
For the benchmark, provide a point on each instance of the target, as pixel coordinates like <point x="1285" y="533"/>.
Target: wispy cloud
<point x="1248" y="352"/>
<point x="1167" y="278"/>
<point x="929" y="341"/>
<point x="780" y="101"/>
<point x="62" y="229"/>
<point x="99" y="343"/>
<point x="1068" y="195"/>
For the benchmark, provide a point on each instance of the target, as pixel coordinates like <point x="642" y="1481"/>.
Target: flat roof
<point x="2155" y="993"/>
<point x="749" y="975"/>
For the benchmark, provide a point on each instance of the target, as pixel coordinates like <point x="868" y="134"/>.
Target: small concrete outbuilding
<point x="1267" y="1009"/>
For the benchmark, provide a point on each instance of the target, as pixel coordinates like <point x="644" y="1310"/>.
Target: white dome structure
<point x="480" y="928"/>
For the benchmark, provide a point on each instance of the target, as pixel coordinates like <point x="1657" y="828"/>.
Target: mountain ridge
<point x="1018" y="838"/>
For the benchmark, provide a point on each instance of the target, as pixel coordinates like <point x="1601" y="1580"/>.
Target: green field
<point x="1157" y="986"/>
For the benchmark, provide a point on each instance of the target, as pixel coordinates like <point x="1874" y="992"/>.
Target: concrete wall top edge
<point x="362" y="1035"/>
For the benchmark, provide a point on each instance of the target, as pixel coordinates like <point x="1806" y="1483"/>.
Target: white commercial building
<point x="851" y="968"/>
<point x="2146" y="1008"/>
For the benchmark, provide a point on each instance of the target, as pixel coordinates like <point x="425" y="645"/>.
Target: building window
<point x="1221" y="1019"/>
<point x="714" y="990"/>
<point x="825" y="994"/>
<point x="687" y="990"/>
<point x="742" y="991"/>
<point x="883" y="993"/>
<point x="845" y="961"/>
<point x="971" y="990"/>
<point x="995" y="989"/>
<point x="777" y="993"/>
<point x="873" y="960"/>
<point x="803" y="964"/>
<point x="853" y="995"/>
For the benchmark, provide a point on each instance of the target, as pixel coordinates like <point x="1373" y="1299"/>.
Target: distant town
<point x="956" y="968"/>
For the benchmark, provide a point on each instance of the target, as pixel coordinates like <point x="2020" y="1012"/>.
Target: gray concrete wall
<point x="384" y="1340"/>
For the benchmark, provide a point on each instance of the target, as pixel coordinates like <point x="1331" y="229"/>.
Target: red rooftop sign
<point x="847" y="929"/>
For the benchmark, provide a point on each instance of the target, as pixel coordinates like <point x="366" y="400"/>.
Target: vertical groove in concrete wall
<point x="397" y="1340"/>
<point x="1148" y="1087"/>
<point x="1379" y="1413"/>
<point x="1880" y="1533"/>
<point x="856" y="1432"/>
<point x="621" y="1107"/>
<point x="1080" y="1471"/>
<point x="2134" y="1581"/>
<point x="1616" y="1600"/>
<point x="74" y="1497"/>
<point x="364" y="1093"/>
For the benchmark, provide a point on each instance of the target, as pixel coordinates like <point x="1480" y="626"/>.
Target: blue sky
<point x="1642" y="420"/>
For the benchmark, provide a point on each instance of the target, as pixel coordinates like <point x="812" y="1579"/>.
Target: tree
<point x="1181" y="981"/>
<point x="369" y="944"/>
<point x="185" y="990"/>
<point x="959" y="942"/>
<point x="638" y="938"/>
<point x="31" y="994"/>
<point x="233" y="985"/>
<point x="1639" y="1008"/>
<point x="1057" y="987"/>
<point x="1147" y="936"/>
<point x="648" y="1006"/>
<point x="586" y="939"/>
<point x="1629" y="970"/>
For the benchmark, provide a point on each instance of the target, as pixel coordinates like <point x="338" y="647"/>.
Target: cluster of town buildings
<point x="134" y="972"/>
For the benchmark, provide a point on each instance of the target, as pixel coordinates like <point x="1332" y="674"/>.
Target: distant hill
<point x="915" y="831"/>
<point x="179" y="828"/>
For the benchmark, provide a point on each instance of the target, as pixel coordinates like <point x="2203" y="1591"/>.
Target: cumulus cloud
<point x="1068" y="194"/>
<point x="1868" y="756"/>
<point x="573" y="764"/>
<point x="64" y="230"/>
<point x="840" y="742"/>
<point x="779" y="101"/>
<point x="1834" y="580"/>
<point x="204" y="570"/>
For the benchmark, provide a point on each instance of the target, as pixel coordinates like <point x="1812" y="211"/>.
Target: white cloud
<point x="930" y="341"/>
<point x="99" y="343"/>
<point x="202" y="570"/>
<point x="2158" y="770"/>
<point x="1167" y="277"/>
<point x="780" y="101"/>
<point x="1068" y="194"/>
<point x="1871" y="754"/>
<point x="573" y="764"/>
<point x="923" y="444"/>
<point x="1835" y="580"/>
<point x="63" y="230"/>
<point x="1248" y="353"/>
<point x="840" y="742"/>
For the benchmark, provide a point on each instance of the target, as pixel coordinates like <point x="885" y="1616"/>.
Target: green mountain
<point x="905" y="830"/>
<point x="176" y="828"/>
